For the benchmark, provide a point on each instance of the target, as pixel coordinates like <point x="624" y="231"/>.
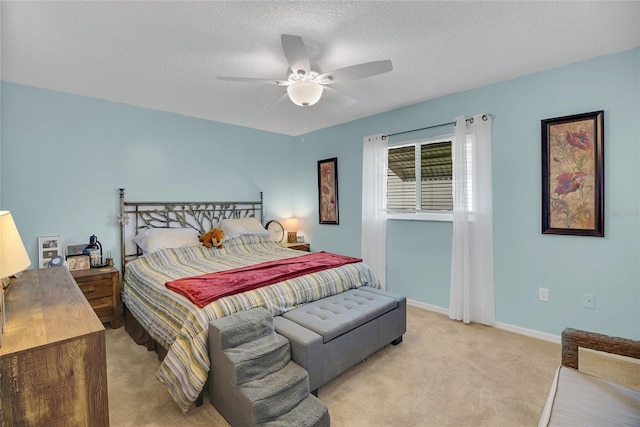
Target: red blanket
<point x="204" y="289"/>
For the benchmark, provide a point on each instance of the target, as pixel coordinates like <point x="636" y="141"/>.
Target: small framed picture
<point x="78" y="262"/>
<point x="48" y="247"/>
<point x="73" y="250"/>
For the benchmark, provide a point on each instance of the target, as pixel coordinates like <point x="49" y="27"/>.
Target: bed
<point x="159" y="245"/>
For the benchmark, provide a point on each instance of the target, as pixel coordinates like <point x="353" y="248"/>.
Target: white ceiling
<point x="166" y="55"/>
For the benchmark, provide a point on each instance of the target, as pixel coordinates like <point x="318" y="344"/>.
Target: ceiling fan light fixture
<point x="305" y="93"/>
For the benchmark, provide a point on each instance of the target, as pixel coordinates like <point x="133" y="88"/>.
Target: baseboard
<point x="529" y="332"/>
<point x="426" y="306"/>
<point x="499" y="325"/>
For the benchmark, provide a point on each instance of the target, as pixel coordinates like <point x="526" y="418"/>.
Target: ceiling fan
<point x="306" y="86"/>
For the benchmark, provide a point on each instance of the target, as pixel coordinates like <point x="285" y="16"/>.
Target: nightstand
<point x="101" y="287"/>
<point x="306" y="247"/>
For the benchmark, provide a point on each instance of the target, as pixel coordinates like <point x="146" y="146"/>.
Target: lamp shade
<point x="304" y="93"/>
<point x="13" y="255"/>
<point x="291" y="224"/>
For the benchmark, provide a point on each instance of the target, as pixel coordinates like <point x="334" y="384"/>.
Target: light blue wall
<point x="64" y="158"/>
<point x="418" y="253"/>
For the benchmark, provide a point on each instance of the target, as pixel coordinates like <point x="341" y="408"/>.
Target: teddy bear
<point x="212" y="238"/>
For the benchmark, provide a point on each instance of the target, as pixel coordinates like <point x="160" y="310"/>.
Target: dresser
<point x="53" y="355"/>
<point x="101" y="287"/>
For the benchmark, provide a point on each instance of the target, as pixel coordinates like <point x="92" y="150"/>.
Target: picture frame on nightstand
<point x="48" y="247"/>
<point x="78" y="262"/>
<point x="73" y="250"/>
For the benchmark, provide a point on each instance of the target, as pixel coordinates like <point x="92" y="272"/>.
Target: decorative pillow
<point x="241" y="226"/>
<point x="154" y="239"/>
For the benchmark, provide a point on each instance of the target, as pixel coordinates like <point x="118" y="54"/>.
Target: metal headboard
<point x="201" y="216"/>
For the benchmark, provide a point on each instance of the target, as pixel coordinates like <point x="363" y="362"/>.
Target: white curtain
<point x="471" y="298"/>
<point x="374" y="227"/>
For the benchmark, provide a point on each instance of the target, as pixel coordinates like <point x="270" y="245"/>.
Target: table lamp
<point x="13" y="255"/>
<point x="13" y="258"/>
<point x="95" y="251"/>
<point x="291" y="225"/>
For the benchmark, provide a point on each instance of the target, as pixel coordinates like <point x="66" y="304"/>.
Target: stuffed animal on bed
<point x="212" y="238"/>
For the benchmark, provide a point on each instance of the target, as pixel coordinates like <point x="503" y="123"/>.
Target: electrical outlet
<point x="589" y="301"/>
<point x="543" y="294"/>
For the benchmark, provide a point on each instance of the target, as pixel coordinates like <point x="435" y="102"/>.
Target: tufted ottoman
<point x="331" y="335"/>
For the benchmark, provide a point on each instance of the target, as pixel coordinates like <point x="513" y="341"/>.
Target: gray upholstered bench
<point x="331" y="335"/>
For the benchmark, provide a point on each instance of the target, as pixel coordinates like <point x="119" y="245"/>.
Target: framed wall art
<point x="573" y="175"/>
<point x="328" y="191"/>
<point x="48" y="247"/>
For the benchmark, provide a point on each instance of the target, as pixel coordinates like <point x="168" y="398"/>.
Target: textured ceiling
<point x="166" y="55"/>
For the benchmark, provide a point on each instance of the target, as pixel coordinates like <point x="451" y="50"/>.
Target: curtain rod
<point x="470" y="120"/>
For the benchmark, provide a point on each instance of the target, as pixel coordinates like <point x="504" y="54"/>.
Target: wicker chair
<point x="577" y="398"/>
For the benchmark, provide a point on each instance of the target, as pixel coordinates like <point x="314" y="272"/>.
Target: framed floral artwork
<point x="573" y="175"/>
<point x="328" y="190"/>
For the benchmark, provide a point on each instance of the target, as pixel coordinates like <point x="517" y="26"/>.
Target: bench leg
<point x="397" y="340"/>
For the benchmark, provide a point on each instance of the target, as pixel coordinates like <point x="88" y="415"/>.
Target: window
<point x="419" y="178"/>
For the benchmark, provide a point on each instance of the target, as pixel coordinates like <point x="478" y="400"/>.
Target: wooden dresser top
<point x="45" y="306"/>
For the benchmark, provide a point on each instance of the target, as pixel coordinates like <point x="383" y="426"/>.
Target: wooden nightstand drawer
<point x="103" y="306"/>
<point x="96" y="289"/>
<point x="101" y="287"/>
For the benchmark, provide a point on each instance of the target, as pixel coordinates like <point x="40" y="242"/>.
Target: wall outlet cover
<point x="543" y="294"/>
<point x="589" y="301"/>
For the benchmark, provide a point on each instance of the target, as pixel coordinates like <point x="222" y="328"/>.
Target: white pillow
<point x="141" y="235"/>
<point x="153" y="239"/>
<point x="238" y="227"/>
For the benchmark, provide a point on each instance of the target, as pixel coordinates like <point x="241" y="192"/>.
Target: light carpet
<point x="444" y="373"/>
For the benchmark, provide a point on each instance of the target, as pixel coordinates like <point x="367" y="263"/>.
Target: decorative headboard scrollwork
<point x="201" y="216"/>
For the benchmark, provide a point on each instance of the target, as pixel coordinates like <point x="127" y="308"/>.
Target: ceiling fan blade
<point x="338" y="97"/>
<point x="354" y="72"/>
<point x="254" y="80"/>
<point x="296" y="53"/>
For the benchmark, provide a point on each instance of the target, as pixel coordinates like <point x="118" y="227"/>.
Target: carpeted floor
<point x="444" y="373"/>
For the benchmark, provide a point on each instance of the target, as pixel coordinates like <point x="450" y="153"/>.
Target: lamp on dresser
<point x="13" y="257"/>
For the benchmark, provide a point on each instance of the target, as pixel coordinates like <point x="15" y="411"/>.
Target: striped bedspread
<point x="181" y="327"/>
